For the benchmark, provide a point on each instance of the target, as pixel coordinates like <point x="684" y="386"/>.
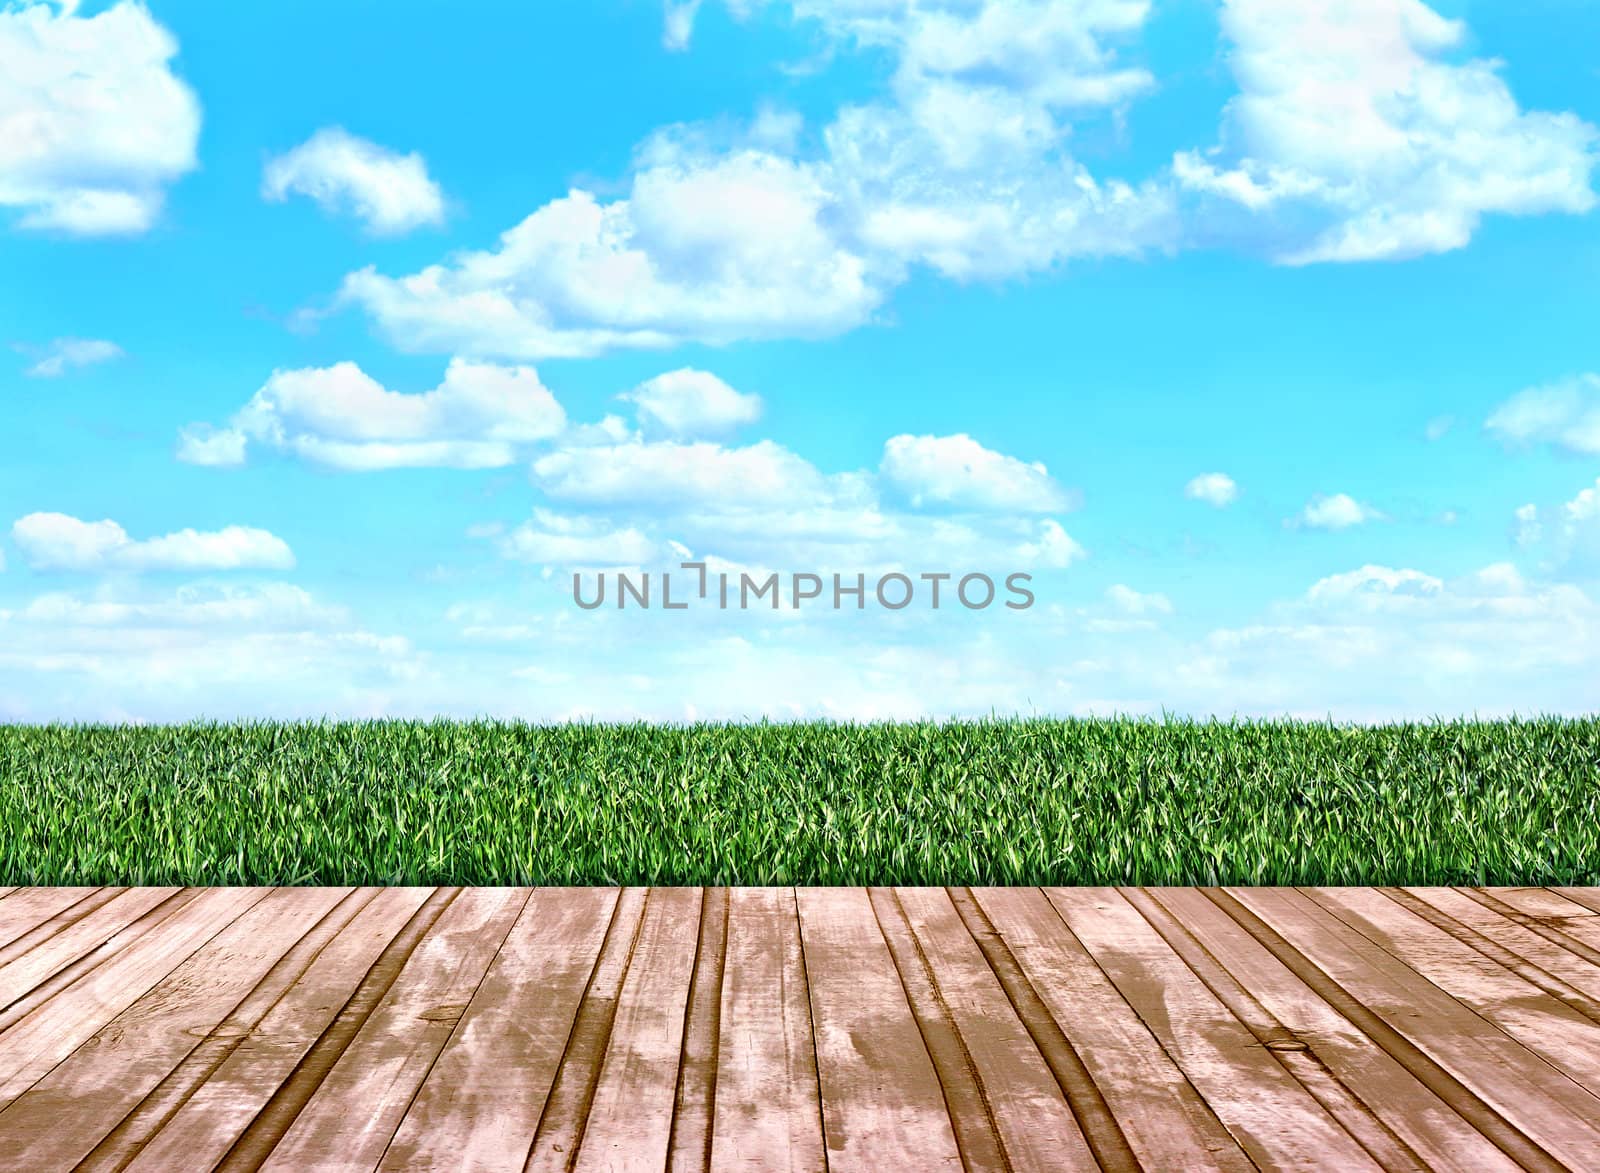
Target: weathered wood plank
<point x="24" y="909"/>
<point x="391" y="1055"/>
<point x="882" y="1107"/>
<point x="481" y="1103"/>
<point x="62" y="1117"/>
<point x="1540" y="1022"/>
<point x="1271" y="1114"/>
<point x="1536" y="1101"/>
<point x="1165" y="1119"/>
<point x="629" y="1124"/>
<point x="1406" y="1105"/>
<point x="53" y="1030"/>
<point x="768" y="1111"/>
<point x="216" y="1114"/>
<point x="1035" y="1124"/>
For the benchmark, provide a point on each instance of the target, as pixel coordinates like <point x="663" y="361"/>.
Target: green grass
<point x="991" y="802"/>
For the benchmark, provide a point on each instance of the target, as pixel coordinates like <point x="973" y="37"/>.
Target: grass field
<point x="1054" y="802"/>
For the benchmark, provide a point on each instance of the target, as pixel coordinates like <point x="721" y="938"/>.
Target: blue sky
<point x="334" y="339"/>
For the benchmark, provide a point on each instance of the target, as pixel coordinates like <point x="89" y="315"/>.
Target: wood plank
<point x="77" y="944"/>
<point x="882" y="1107"/>
<point x="629" y="1122"/>
<point x="24" y="909"/>
<point x="387" y="1061"/>
<point x="1164" y="1118"/>
<point x="1561" y="916"/>
<point x="690" y="1149"/>
<point x="52" y="1031"/>
<point x="1270" y="1113"/>
<point x="62" y="1117"/>
<point x="481" y="1103"/>
<point x="1538" y="1102"/>
<point x="1407" y="1106"/>
<point x="203" y="1129"/>
<point x="768" y="1109"/>
<point x="970" y="1117"/>
<point x="1036" y="1127"/>
<point x="1541" y="1023"/>
<point x="566" y="1109"/>
<point x="1552" y="965"/>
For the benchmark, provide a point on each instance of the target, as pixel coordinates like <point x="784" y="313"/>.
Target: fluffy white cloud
<point x="1565" y="414"/>
<point x="479" y="416"/>
<point x="552" y="539"/>
<point x="725" y="235"/>
<point x="389" y="192"/>
<point x="678" y="23"/>
<point x="93" y="123"/>
<point x="958" y="472"/>
<point x="55" y="541"/>
<point x="689" y="402"/>
<point x="712" y="249"/>
<point x="1361" y="139"/>
<point x="1339" y="511"/>
<point x="671" y="474"/>
<point x="1214" y="488"/>
<point x="68" y="354"/>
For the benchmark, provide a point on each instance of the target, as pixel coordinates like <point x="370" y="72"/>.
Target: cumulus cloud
<point x="669" y="473"/>
<point x="55" y="541"/>
<point x="689" y="402"/>
<point x="1338" y="511"/>
<point x="1214" y="488"/>
<point x="94" y="125"/>
<point x="712" y="249"/>
<point x="389" y="192"/>
<point x="962" y="167"/>
<point x="58" y="357"/>
<point x="480" y="416"/>
<point x="1358" y="136"/>
<point x="958" y="472"/>
<point x="555" y="540"/>
<point x="1564" y="414"/>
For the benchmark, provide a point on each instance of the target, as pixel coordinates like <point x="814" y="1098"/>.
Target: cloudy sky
<point x="334" y="340"/>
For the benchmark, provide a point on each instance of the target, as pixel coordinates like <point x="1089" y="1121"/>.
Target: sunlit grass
<point x="994" y="802"/>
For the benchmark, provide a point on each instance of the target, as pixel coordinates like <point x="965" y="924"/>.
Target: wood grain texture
<point x="812" y="1029"/>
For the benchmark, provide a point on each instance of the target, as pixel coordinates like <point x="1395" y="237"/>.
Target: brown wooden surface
<point x="879" y="1030"/>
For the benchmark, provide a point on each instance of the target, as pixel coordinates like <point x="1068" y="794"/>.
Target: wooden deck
<point x="883" y="1029"/>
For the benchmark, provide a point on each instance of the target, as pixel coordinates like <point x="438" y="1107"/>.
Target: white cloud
<point x="1565" y="414"/>
<point x="671" y="474"/>
<point x="68" y="354"/>
<point x="1214" y="488"/>
<point x="480" y="416"/>
<point x="93" y="124"/>
<point x="1052" y="547"/>
<point x="128" y="652"/>
<point x="678" y="23"/>
<point x="389" y="192"/>
<point x="54" y="541"/>
<point x="728" y="235"/>
<point x="958" y="472"/>
<point x="212" y="447"/>
<point x="556" y="540"/>
<point x="711" y="249"/>
<point x="689" y="402"/>
<point x="1132" y="602"/>
<point x="1361" y="139"/>
<point x="1339" y="511"/>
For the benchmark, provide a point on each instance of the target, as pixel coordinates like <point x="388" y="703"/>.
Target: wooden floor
<point x="848" y="1028"/>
